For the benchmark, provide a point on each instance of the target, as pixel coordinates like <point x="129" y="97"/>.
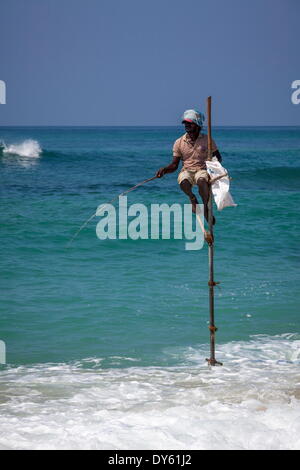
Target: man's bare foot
<point x="209" y="238"/>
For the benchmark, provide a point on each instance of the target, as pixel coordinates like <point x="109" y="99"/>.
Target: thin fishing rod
<point x="101" y="208"/>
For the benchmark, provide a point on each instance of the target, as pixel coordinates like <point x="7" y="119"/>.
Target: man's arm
<point x="170" y="168"/>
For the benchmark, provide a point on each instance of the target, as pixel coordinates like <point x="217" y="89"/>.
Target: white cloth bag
<point x="220" y="188"/>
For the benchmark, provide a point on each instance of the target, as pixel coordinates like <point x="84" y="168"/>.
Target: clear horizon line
<point x="143" y="125"/>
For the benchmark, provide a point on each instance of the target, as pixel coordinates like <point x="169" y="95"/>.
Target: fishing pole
<point x="101" y="208"/>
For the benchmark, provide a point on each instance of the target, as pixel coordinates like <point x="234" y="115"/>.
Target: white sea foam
<point x="27" y="148"/>
<point x="252" y="402"/>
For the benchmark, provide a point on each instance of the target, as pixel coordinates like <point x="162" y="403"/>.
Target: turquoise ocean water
<point x="106" y="340"/>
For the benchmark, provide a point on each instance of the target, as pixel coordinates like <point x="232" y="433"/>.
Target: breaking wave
<point x="251" y="402"/>
<point x="27" y="148"/>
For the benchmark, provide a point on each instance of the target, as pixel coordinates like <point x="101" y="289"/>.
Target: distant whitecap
<point x="27" y="148"/>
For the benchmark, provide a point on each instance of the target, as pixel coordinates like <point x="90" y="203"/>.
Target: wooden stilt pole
<point x="211" y="282"/>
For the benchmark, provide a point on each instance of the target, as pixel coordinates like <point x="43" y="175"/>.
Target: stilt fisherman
<point x="192" y="150"/>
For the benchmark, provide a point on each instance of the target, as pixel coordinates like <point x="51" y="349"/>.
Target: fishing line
<point x="101" y="208"/>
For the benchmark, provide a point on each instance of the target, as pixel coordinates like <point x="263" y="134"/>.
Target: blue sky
<point x="94" y="62"/>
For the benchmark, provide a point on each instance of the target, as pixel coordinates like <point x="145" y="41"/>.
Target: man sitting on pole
<point x="192" y="149"/>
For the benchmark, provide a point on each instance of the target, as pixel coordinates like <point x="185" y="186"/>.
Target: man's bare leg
<point x="186" y="187"/>
<point x="203" y="189"/>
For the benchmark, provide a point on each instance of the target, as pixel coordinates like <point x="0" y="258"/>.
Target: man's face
<point x="191" y="128"/>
